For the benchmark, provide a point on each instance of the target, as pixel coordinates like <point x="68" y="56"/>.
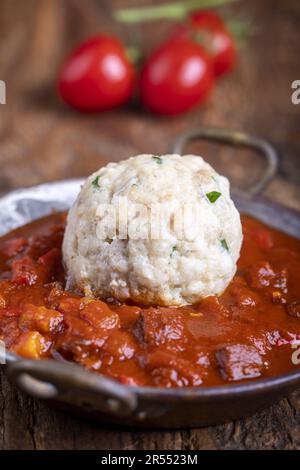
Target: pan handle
<point x="71" y="384"/>
<point x="234" y="138"/>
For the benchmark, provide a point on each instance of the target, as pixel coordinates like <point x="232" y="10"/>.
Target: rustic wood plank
<point x="42" y="140"/>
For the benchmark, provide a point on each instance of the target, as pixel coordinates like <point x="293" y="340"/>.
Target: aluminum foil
<point x="24" y="205"/>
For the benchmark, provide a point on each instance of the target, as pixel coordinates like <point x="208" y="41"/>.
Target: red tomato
<point x="207" y="19"/>
<point x="97" y="75"/>
<point x="208" y="29"/>
<point x="176" y="77"/>
<point x="216" y="38"/>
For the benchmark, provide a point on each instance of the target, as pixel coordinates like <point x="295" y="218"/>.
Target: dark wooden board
<point x="41" y="140"/>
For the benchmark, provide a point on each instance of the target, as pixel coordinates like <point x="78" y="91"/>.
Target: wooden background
<point x="41" y="140"/>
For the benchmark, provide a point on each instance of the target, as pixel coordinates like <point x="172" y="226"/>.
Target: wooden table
<point x="41" y="140"/>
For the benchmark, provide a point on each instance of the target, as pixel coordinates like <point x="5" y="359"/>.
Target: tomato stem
<point x="174" y="10"/>
<point x="134" y="54"/>
<point x="240" y="30"/>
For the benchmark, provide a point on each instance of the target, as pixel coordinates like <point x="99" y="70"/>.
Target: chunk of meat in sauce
<point x="169" y="371"/>
<point x="120" y="346"/>
<point x="241" y="301"/>
<point x="128" y="313"/>
<point x="99" y="315"/>
<point x="262" y="274"/>
<point x="214" y="307"/>
<point x="27" y="272"/>
<point x="161" y="326"/>
<point x="238" y="362"/>
<point x="264" y="277"/>
<point x="87" y="327"/>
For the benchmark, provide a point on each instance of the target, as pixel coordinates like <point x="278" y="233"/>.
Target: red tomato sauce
<point x="244" y="334"/>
